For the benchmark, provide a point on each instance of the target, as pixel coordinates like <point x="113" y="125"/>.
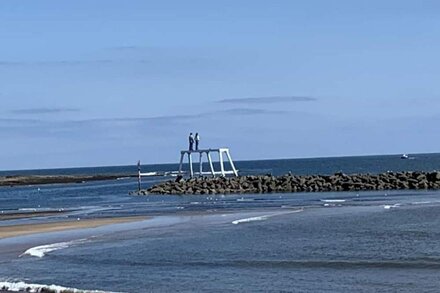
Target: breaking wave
<point x="26" y="287"/>
<point x="42" y="250"/>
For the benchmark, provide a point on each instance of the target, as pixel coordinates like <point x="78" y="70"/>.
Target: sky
<point x="110" y="82"/>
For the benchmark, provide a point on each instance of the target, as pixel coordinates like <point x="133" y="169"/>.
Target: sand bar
<point x="27" y="229"/>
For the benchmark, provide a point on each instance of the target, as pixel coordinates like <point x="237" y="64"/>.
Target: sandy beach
<point x="27" y="229"/>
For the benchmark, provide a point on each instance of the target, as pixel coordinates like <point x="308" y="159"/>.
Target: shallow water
<point x="306" y="242"/>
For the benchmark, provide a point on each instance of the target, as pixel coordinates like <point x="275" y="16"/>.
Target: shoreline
<point x="297" y="183"/>
<point x="31" y="214"/>
<point x="28" y="229"/>
<point x="19" y="180"/>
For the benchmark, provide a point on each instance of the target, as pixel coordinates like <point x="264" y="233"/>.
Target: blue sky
<point x="86" y="83"/>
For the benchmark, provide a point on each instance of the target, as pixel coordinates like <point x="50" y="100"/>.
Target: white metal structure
<point x="220" y="151"/>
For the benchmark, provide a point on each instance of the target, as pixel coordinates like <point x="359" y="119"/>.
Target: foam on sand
<point x="25" y="287"/>
<point x="42" y="250"/>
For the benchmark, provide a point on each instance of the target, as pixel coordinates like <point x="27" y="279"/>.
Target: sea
<point x="375" y="241"/>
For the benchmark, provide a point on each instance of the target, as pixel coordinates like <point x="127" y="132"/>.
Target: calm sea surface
<point x="384" y="241"/>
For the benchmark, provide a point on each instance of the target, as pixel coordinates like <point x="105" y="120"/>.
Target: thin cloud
<point x="268" y="100"/>
<point x="248" y="112"/>
<point x="84" y="127"/>
<point x="56" y="63"/>
<point x="164" y="118"/>
<point x="186" y="117"/>
<point x="37" y="111"/>
<point x="18" y="121"/>
<point x="128" y="48"/>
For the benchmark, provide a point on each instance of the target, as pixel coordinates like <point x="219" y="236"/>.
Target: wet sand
<point x="27" y="229"/>
<point x="31" y="214"/>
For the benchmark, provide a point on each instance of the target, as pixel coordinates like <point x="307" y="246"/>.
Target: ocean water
<point x="384" y="241"/>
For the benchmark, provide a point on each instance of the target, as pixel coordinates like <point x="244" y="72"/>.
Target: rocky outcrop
<point x="295" y="183"/>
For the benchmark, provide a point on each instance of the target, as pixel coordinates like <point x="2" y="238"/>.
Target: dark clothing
<point x="191" y="143"/>
<point x="197" y="145"/>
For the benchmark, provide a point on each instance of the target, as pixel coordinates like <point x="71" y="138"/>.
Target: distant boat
<point x="404" y="157"/>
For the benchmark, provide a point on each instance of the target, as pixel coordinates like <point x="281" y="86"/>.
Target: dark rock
<point x="291" y="183"/>
<point x="434" y="176"/>
<point x="423" y="184"/>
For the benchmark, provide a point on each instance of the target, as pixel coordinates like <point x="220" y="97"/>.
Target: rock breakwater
<point x="295" y="183"/>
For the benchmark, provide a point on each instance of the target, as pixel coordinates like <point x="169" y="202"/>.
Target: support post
<point x="182" y="155"/>
<point x="201" y="164"/>
<point x="211" y="166"/>
<point x="191" y="172"/>
<point x="139" y="175"/>
<point x="222" y="168"/>
<point x="232" y="163"/>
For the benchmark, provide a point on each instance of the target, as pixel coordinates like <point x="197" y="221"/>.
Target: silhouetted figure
<point x="197" y="139"/>
<point x="191" y="141"/>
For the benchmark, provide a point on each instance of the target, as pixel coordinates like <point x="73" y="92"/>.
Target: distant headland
<point x="16" y="180"/>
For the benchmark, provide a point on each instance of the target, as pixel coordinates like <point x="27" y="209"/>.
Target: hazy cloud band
<point x="35" y="111"/>
<point x="268" y="100"/>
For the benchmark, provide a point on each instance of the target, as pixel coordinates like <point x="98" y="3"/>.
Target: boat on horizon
<point x="406" y="157"/>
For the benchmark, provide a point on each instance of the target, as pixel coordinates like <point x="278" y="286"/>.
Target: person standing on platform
<point x="197" y="139"/>
<point x="191" y="142"/>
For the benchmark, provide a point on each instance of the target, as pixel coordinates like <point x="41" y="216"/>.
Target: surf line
<point x="264" y="217"/>
<point x="28" y="287"/>
<point x="42" y="250"/>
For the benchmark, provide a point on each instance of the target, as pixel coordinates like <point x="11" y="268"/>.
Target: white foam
<point x="263" y="218"/>
<point x="333" y="200"/>
<point x="252" y="219"/>
<point x="149" y="174"/>
<point x="42" y="250"/>
<point x="245" y="199"/>
<point x="423" y="202"/>
<point x="25" y="287"/>
<point x="388" y="207"/>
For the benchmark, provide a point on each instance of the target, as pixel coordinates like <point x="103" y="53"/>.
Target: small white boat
<point x="404" y="157"/>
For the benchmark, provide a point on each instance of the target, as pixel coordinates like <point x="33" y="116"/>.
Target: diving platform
<point x="223" y="153"/>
